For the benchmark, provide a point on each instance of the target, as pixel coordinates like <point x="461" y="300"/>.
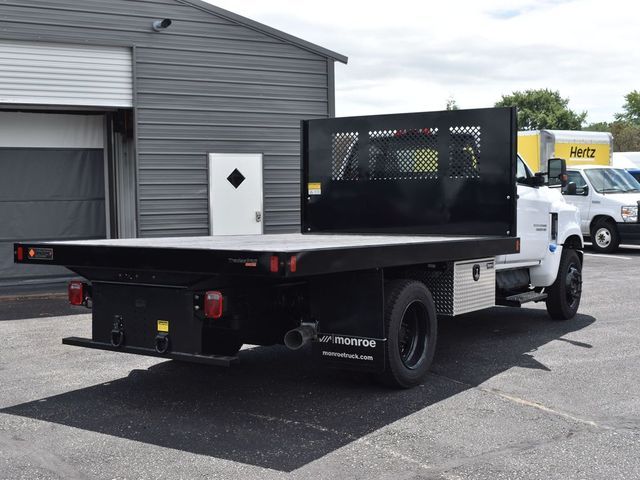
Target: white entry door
<point x="235" y="193"/>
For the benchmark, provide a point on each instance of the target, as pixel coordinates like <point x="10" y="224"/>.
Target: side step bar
<point x="219" y="360"/>
<point x="520" y="298"/>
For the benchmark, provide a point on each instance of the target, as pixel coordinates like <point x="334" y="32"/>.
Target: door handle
<point x="258" y="216"/>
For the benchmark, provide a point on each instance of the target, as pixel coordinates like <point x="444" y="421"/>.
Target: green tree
<point x="626" y="136"/>
<point x="452" y="104"/>
<point x="543" y="108"/>
<point x="598" y="127"/>
<point x="631" y="108"/>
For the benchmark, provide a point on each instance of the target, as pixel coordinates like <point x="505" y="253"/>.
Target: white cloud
<point x="413" y="55"/>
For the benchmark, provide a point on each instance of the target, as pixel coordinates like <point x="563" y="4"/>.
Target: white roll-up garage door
<point x="33" y="73"/>
<point x="52" y="186"/>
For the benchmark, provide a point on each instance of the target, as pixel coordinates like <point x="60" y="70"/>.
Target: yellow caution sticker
<point x="314" y="188"/>
<point x="163" y="326"/>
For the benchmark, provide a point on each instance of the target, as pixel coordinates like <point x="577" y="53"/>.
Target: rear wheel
<point x="411" y="327"/>
<point x="604" y="236"/>
<point x="564" y="295"/>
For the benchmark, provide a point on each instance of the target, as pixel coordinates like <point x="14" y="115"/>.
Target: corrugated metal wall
<point x="57" y="74"/>
<point x="204" y="85"/>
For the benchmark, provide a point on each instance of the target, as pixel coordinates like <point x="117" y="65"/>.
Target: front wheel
<point x="411" y="327"/>
<point x="564" y="295"/>
<point x="604" y="236"/>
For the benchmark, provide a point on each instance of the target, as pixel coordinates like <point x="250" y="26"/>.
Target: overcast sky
<point x="414" y="55"/>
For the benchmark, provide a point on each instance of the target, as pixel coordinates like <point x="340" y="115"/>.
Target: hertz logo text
<point x="582" y="152"/>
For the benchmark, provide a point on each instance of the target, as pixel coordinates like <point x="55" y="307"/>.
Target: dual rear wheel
<point x="411" y="327"/>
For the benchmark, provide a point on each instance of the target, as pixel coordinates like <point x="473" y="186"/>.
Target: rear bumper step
<point x="218" y="360"/>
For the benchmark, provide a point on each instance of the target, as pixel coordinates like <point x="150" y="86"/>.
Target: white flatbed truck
<point x="405" y="218"/>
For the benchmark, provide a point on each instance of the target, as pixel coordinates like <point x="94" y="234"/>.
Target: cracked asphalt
<point x="512" y="395"/>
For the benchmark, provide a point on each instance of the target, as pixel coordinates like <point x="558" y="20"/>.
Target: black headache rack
<point x="438" y="173"/>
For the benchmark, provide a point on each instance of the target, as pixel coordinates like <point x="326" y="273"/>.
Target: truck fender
<point x="569" y="236"/>
<point x="544" y="274"/>
<point x="599" y="217"/>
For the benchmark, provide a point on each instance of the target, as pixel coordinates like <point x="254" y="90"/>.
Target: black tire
<point x="604" y="236"/>
<point x="411" y="328"/>
<point x="564" y="295"/>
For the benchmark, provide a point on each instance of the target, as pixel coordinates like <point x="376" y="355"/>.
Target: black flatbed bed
<point x="253" y="255"/>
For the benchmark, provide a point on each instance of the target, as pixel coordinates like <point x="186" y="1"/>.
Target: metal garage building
<point x="109" y="127"/>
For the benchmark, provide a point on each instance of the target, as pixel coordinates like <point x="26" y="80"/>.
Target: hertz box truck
<point x="576" y="147"/>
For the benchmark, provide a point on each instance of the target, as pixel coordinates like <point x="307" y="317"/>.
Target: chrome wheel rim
<point x="603" y="237"/>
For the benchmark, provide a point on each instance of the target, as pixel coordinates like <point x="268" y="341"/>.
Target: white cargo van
<point x="608" y="199"/>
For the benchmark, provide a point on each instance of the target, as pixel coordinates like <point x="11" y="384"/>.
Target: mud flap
<point x="357" y="353"/>
<point x="349" y="311"/>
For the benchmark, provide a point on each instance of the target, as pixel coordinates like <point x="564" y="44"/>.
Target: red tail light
<point x="20" y="254"/>
<point x="275" y="264"/>
<point x="76" y="293"/>
<point x="293" y="264"/>
<point x="213" y="304"/>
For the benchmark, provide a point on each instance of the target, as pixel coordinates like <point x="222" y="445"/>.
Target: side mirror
<point x="536" y="180"/>
<point x="557" y="172"/>
<point x="585" y="190"/>
<point x="571" y="189"/>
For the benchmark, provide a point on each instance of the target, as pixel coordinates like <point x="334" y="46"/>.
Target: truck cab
<point x="608" y="199"/>
<point x="551" y="243"/>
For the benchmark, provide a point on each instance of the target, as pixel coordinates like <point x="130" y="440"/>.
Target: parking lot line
<point x="608" y="256"/>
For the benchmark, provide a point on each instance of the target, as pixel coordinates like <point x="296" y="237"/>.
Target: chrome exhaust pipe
<point x="299" y="337"/>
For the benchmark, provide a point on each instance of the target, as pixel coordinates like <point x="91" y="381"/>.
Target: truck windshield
<point x="612" y="180"/>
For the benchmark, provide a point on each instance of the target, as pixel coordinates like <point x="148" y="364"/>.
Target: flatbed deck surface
<point x="253" y="254"/>
<point x="285" y="242"/>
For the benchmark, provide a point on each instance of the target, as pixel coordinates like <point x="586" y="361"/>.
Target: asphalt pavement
<point x="512" y="395"/>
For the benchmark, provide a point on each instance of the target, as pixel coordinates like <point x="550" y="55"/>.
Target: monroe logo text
<point x="348" y="341"/>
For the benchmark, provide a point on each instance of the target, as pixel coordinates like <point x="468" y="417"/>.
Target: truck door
<point x="533" y="219"/>
<point x="582" y="198"/>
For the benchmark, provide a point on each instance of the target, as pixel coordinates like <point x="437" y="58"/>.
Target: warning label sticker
<point x="315" y="188"/>
<point x="163" y="326"/>
<point x="35" y="253"/>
